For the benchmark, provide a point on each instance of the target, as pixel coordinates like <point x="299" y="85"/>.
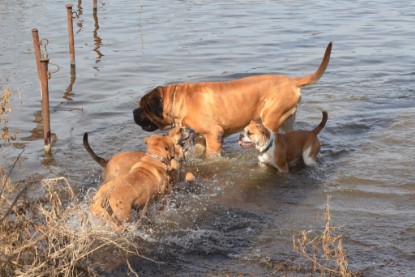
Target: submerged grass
<point x="316" y="253"/>
<point x="324" y="252"/>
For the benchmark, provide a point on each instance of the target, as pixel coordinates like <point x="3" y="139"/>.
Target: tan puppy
<point x="216" y="110"/>
<point x="146" y="180"/>
<point x="121" y="163"/>
<point x="278" y="150"/>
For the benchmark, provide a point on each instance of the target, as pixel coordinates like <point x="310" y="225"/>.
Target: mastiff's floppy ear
<point x="149" y="114"/>
<point x="152" y="105"/>
<point x="156" y="105"/>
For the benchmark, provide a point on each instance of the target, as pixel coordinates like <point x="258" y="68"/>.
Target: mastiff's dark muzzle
<point x="143" y="121"/>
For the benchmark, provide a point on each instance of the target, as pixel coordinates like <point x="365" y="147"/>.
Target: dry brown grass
<point x="4" y="110"/>
<point x="55" y="236"/>
<point x="324" y="252"/>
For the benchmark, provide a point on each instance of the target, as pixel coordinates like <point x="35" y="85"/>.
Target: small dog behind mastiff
<point x="121" y="163"/>
<point x="147" y="180"/>
<point x="278" y="150"/>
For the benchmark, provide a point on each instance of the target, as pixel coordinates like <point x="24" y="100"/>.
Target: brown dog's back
<point x="119" y="164"/>
<point x="300" y="140"/>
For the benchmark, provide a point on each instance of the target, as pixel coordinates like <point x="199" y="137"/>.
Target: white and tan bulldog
<point x="278" y="150"/>
<point x="216" y="110"/>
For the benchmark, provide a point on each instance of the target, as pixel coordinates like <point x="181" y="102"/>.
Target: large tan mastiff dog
<point x="216" y="110"/>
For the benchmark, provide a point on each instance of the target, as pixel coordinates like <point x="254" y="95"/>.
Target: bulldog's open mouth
<point x="245" y="144"/>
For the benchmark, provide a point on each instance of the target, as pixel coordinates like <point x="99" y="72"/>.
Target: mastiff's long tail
<point x="311" y="79"/>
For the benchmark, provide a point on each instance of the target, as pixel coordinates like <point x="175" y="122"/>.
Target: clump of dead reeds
<point x="5" y="109"/>
<point x="54" y="236"/>
<point x="324" y="251"/>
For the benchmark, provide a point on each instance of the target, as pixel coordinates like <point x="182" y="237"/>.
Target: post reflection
<point x="79" y="14"/>
<point x="97" y="38"/>
<point x="68" y="93"/>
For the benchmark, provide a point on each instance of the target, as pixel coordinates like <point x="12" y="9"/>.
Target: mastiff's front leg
<point x="214" y="141"/>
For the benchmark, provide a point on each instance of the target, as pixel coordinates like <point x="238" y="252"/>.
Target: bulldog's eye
<point x="248" y="133"/>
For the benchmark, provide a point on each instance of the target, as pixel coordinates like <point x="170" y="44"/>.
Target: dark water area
<point x="239" y="217"/>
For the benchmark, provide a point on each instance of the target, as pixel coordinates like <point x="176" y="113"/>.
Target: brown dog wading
<point x="278" y="150"/>
<point x="145" y="181"/>
<point x="121" y="163"/>
<point x="216" y="110"/>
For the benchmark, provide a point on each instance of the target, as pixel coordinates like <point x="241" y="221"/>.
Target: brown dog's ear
<point x="261" y="128"/>
<point x="172" y="149"/>
<point x="168" y="145"/>
<point x="257" y="121"/>
<point x="146" y="140"/>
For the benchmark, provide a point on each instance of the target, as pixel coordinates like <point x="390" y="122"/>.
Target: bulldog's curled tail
<point x="320" y="127"/>
<point x="311" y="79"/>
<point x="102" y="162"/>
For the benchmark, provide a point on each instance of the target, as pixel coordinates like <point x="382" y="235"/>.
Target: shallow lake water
<point x="239" y="217"/>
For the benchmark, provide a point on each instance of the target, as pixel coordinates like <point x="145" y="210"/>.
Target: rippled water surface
<point x="239" y="218"/>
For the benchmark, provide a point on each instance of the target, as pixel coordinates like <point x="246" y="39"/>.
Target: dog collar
<point x="180" y="161"/>
<point x="268" y="146"/>
<point x="158" y="157"/>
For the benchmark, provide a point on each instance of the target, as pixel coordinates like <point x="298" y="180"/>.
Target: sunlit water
<point x="239" y="217"/>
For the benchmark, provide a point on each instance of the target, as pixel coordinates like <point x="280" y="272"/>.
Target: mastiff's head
<point x="151" y="114"/>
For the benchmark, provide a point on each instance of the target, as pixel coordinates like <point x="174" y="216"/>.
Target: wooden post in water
<point x="44" y="62"/>
<point x="70" y="34"/>
<point x="35" y="35"/>
<point x="94" y="5"/>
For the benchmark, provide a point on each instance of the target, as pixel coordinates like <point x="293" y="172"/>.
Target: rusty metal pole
<point x="42" y="71"/>
<point x="70" y="34"/>
<point x="36" y="46"/>
<point x="44" y="62"/>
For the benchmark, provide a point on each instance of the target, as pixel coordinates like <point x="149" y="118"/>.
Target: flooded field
<point x="238" y="218"/>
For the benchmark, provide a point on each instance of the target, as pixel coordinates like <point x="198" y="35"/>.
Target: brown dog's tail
<point x="311" y="79"/>
<point x="102" y="162"/>
<point x="322" y="123"/>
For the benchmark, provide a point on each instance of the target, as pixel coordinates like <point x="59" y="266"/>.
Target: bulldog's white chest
<point x="268" y="157"/>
